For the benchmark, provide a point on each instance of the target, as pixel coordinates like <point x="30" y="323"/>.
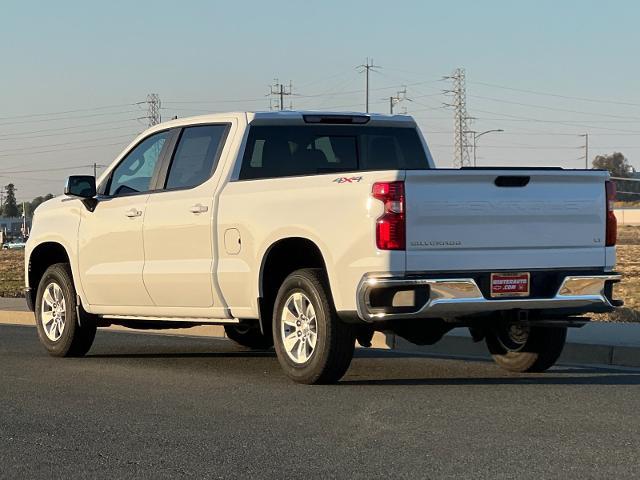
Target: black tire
<point x="335" y="340"/>
<point x="249" y="336"/>
<point x="539" y="350"/>
<point x="78" y="334"/>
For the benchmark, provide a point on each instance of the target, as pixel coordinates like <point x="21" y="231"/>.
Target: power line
<point x="524" y="147"/>
<point x="328" y="93"/>
<point x="65" y="149"/>
<point x="18" y="135"/>
<point x="554" y="108"/>
<point x="197" y="110"/>
<point x="412" y="84"/>
<point x="535" y="92"/>
<point x="68" y="118"/>
<point x="89" y="109"/>
<point x="214" y="101"/>
<point x="350" y="92"/>
<point x="322" y="79"/>
<point x="36" y="147"/>
<point x="56" y="169"/>
<point x="515" y="118"/>
<point x="29" y="179"/>
<point x="68" y="133"/>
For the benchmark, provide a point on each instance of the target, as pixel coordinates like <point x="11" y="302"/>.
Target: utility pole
<point x="400" y="96"/>
<point x="366" y="67"/>
<point x="23" y="229"/>
<point x="279" y="91"/>
<point x="153" y="109"/>
<point x="586" y="150"/>
<point x="461" y="139"/>
<point x="95" y="170"/>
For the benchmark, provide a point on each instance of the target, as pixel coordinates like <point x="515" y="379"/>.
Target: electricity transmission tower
<point x="366" y="67"/>
<point x="153" y="109"/>
<point x="400" y="96"/>
<point x="277" y="93"/>
<point x="461" y="157"/>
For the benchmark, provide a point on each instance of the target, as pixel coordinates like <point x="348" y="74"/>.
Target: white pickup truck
<point x="308" y="231"/>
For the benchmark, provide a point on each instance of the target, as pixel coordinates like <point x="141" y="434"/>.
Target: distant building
<point x="11" y="227"/>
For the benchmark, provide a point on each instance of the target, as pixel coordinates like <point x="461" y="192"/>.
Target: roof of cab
<point x="299" y="114"/>
<point x="282" y="116"/>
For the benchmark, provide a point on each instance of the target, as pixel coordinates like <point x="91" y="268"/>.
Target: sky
<point x="545" y="72"/>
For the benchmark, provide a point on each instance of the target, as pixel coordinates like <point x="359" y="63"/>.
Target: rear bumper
<point x="459" y="297"/>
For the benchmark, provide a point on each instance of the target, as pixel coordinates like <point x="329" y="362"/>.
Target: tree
<point x="10" y="207"/>
<point x="616" y="163"/>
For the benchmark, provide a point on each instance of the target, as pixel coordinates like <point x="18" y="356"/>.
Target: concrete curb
<point x="595" y="344"/>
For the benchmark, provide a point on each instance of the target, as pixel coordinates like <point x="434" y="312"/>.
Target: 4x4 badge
<point x="347" y="179"/>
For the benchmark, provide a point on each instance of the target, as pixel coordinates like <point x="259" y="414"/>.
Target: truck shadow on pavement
<point x="238" y="354"/>
<point x="405" y="369"/>
<point x="599" y="378"/>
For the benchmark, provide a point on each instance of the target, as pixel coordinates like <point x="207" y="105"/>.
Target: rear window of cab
<point x="284" y="151"/>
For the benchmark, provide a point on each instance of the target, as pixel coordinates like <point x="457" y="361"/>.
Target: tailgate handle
<point x="512" y="181"/>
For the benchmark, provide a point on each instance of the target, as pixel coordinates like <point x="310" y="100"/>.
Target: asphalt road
<point x="150" y="406"/>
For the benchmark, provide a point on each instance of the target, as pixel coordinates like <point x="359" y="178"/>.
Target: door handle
<point x="198" y="208"/>
<point x="133" y="212"/>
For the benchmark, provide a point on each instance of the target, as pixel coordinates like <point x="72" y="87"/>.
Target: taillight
<point x="390" y="227"/>
<point x="612" y="222"/>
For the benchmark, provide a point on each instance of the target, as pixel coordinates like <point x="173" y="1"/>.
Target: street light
<point x="476" y="136"/>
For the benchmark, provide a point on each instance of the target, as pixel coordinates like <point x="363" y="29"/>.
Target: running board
<point x="212" y="321"/>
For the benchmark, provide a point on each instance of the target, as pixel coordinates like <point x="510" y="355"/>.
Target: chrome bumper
<point x="451" y="297"/>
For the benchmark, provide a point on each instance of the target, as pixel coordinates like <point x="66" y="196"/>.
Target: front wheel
<point x="61" y="332"/>
<point x="312" y="344"/>
<point x="521" y="348"/>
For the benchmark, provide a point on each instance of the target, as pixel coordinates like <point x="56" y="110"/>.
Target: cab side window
<point x="196" y="155"/>
<point x="134" y="173"/>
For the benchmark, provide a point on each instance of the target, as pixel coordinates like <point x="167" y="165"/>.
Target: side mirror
<point x="83" y="186"/>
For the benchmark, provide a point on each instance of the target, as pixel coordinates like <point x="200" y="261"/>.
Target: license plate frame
<point x="510" y="284"/>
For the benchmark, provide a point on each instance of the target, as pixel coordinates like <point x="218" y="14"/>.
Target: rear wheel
<point x="248" y="336"/>
<point x="522" y="348"/>
<point x="312" y="344"/>
<point x="60" y="330"/>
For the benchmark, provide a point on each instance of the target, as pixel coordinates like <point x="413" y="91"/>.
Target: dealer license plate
<point x="510" y="284"/>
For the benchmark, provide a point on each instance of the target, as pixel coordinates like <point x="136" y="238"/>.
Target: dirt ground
<point x="12" y="275"/>
<point x="628" y="265"/>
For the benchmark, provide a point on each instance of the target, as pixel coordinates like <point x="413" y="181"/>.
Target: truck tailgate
<point x="502" y="219"/>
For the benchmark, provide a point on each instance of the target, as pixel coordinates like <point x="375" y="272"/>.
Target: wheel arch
<point x="280" y="259"/>
<point x="41" y="257"/>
